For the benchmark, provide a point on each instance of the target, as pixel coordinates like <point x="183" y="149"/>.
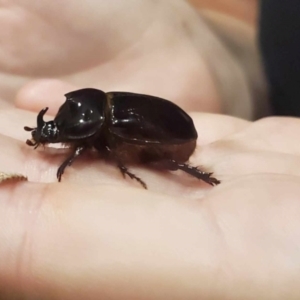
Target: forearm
<point x="236" y="66"/>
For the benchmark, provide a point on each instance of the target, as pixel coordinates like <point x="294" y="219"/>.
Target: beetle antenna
<point x="28" y="128"/>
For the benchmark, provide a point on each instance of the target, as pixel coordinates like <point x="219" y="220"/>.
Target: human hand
<point x="152" y="47"/>
<point x="98" y="236"/>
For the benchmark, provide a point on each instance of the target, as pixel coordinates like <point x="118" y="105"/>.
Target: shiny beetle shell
<point x="127" y="128"/>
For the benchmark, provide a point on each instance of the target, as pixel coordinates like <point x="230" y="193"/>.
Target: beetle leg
<point x="125" y="171"/>
<point x="78" y="151"/>
<point x="173" y="165"/>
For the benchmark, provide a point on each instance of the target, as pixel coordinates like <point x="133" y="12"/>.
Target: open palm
<point x="96" y="235"/>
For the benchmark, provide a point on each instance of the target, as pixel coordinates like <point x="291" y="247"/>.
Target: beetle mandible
<point x="128" y="128"/>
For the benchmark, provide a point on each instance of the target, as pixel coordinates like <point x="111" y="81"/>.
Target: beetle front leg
<point x="78" y="151"/>
<point x="173" y="165"/>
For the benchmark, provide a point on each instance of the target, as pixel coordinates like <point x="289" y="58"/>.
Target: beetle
<point x="127" y="128"/>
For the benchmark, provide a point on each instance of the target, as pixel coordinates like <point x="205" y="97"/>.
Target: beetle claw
<point x="30" y="143"/>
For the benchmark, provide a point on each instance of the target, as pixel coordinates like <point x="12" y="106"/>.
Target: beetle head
<point x="79" y="118"/>
<point x="45" y="132"/>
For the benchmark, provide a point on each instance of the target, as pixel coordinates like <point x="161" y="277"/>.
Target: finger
<point x="50" y="93"/>
<point x="229" y="166"/>
<point x="266" y="146"/>
<point x="278" y="134"/>
<point x="43" y="93"/>
<point x="213" y="127"/>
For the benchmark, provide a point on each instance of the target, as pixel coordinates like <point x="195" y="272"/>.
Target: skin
<point x="245" y="10"/>
<point x="98" y="236"/>
<point x="152" y="49"/>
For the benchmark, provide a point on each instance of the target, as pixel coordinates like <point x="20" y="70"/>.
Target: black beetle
<point x="125" y="127"/>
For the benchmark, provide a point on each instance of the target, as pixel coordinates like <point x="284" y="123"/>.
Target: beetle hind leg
<point x="196" y="172"/>
<point x="173" y="165"/>
<point x="125" y="171"/>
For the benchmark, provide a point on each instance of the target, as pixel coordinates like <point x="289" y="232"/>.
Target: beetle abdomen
<point x="141" y="154"/>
